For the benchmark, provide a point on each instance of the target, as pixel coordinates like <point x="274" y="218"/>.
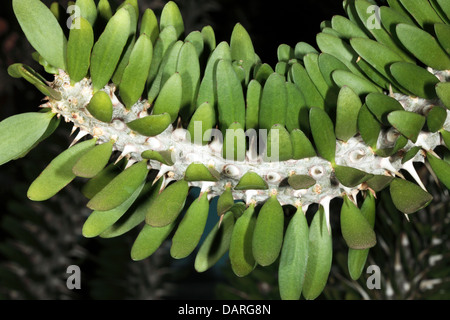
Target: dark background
<point x="38" y="241"/>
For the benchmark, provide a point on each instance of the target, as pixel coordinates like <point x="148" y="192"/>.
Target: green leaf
<point x="136" y="72"/>
<point x="368" y="127"/>
<point x="300" y="77"/>
<point x="376" y="54"/>
<point x="408" y="197"/>
<point x="171" y="16"/>
<point x="230" y="97"/>
<point x="411" y="153"/>
<point x="79" y="49"/>
<point x="241" y="47"/>
<point x="347" y="28"/>
<point x="320" y="255"/>
<point x="164" y="156"/>
<point x="357" y="258"/>
<point x="407" y="123"/>
<point x="108" y="49"/>
<point x="327" y="64"/>
<point x="241" y="255"/>
<point x="164" y="42"/>
<point x="189" y="231"/>
<point x="168" y="205"/>
<point x="390" y="17"/>
<point x="361" y="86"/>
<point x="296" y="108"/>
<point x="93" y="186"/>
<point x="340" y="49"/>
<point x="294" y="257"/>
<point x="169" y="98"/>
<point x="20" y="132"/>
<point x="101" y="106"/>
<point x="379" y="182"/>
<point x="53" y="125"/>
<point x="445" y="7"/>
<point x="441" y="168"/>
<point x="149" y="25"/>
<point x="100" y="221"/>
<point x="88" y="10"/>
<point x="93" y="161"/>
<point x="136" y="214"/>
<point x="215" y="244"/>
<point x="347" y="109"/>
<point x="422" y="12"/>
<point x="151" y="125"/>
<point x="58" y="173"/>
<point x="225" y="201"/>
<point x="120" y="188"/>
<point x="251" y="181"/>
<point x="208" y="91"/>
<point x="311" y="62"/>
<point x="423" y="46"/>
<point x="149" y="240"/>
<point x="273" y="104"/>
<point x="351" y="177"/>
<point x="443" y="92"/>
<point x="323" y="133"/>
<point x="415" y="79"/>
<point x="446" y="137"/>
<point x="262" y="73"/>
<point x="443" y="36"/>
<point x="285" y="53"/>
<point x="199" y="172"/>
<point x="279" y="144"/>
<point x="301" y="146"/>
<point x="368" y="17"/>
<point x="19" y="70"/>
<point x="188" y="66"/>
<point x="104" y="11"/>
<point x="234" y="143"/>
<point x="298" y="181"/>
<point x="436" y="118"/>
<point x="42" y="31"/>
<point x="205" y="115"/>
<point x="302" y="49"/>
<point x="253" y="98"/>
<point x="196" y="38"/>
<point x="356" y="230"/>
<point x="380" y="105"/>
<point x="268" y="233"/>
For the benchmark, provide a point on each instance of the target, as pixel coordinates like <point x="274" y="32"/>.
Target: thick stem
<point x="353" y="153"/>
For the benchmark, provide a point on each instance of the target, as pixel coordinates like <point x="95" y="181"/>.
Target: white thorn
<point x="409" y="166"/>
<point x="386" y="164"/>
<point x="156" y="180"/>
<point x="74" y="128"/>
<point x="305" y="208"/>
<point x="249" y="194"/>
<point x="216" y="145"/>
<point x="130" y="163"/>
<point x="252" y="153"/>
<point x="207" y="186"/>
<point x="325" y="203"/>
<point x="163" y="170"/>
<point x="166" y="182"/>
<point x="126" y="151"/>
<point x="220" y="221"/>
<point x="80" y="135"/>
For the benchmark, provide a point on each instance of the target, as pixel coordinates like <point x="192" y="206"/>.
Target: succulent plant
<point x="158" y="112"/>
